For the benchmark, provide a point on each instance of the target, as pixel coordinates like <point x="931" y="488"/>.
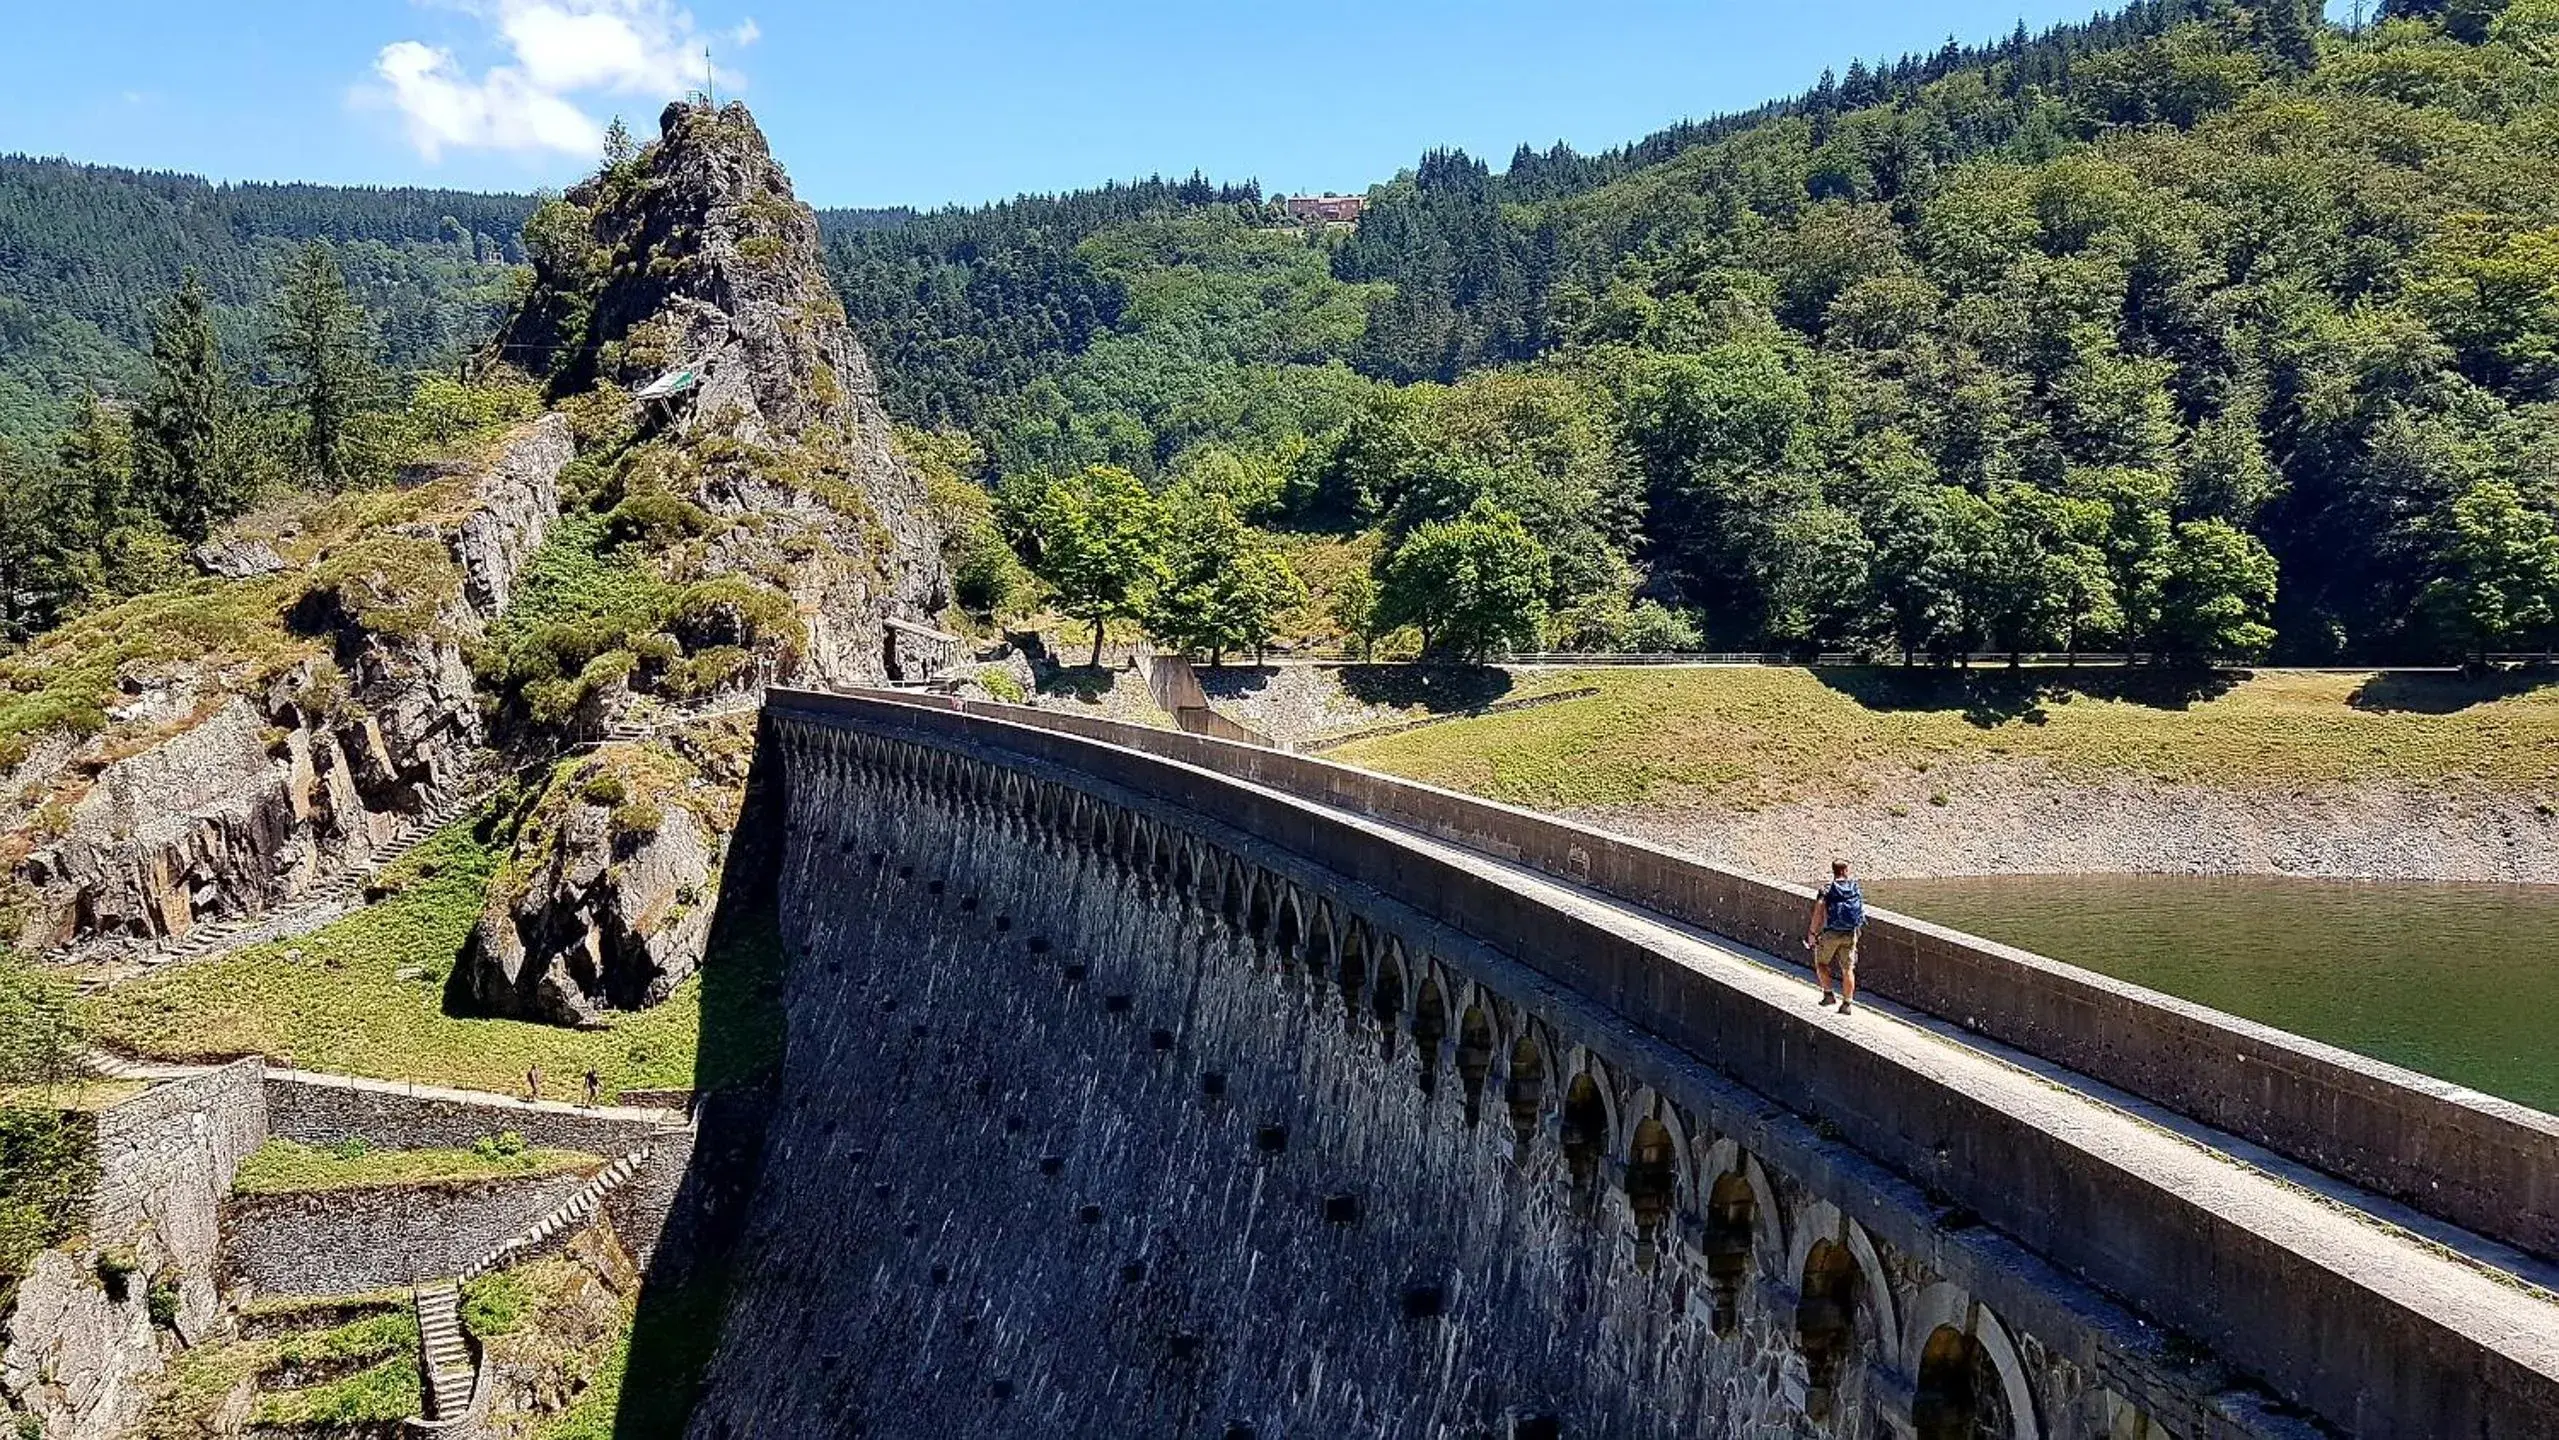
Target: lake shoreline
<point x="2024" y="819"/>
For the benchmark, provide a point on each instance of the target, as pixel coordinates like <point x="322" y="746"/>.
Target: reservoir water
<point x="2457" y="981"/>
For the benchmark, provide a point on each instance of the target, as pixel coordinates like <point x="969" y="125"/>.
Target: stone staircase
<point x="579" y="1208"/>
<point x="444" y="1356"/>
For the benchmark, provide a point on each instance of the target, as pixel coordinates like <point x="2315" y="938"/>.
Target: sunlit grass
<point x="1746" y="737"/>
<point x="366" y="996"/>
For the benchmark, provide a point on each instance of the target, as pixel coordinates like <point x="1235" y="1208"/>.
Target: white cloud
<point x="560" y="53"/>
<point x="746" y="33"/>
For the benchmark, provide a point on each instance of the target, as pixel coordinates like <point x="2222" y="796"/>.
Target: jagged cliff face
<point x="780" y="533"/>
<point x="275" y="723"/>
<point x="696" y="256"/>
<point x="776" y="464"/>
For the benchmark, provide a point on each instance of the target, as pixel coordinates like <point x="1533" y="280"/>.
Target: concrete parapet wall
<point x="2380" y="1337"/>
<point x="2486" y="1164"/>
<point x="345" y="1242"/>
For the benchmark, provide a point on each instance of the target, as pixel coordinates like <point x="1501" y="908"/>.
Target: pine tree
<point x="324" y="346"/>
<point x="182" y="476"/>
<point x="2288" y="29"/>
<point x="619" y="147"/>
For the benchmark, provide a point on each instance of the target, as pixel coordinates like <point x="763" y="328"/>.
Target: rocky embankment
<point x="225" y="785"/>
<point x="2016" y="818"/>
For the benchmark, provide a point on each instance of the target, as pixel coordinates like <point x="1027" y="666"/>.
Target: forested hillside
<point x="2205" y="329"/>
<point x="2149" y="333"/>
<point x="86" y="251"/>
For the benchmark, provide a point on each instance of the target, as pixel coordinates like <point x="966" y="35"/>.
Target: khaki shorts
<point x="1837" y="948"/>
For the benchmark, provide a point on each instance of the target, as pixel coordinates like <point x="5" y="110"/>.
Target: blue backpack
<point x="1844" y="906"/>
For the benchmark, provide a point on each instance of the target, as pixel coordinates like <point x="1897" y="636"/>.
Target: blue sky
<point x="873" y="103"/>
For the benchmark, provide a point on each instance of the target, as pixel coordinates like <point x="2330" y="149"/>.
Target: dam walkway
<point x="2006" y="1191"/>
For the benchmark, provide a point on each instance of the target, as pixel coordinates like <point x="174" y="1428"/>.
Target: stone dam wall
<point x="378" y="1237"/>
<point x="2484" y="1163"/>
<point x="1124" y="1098"/>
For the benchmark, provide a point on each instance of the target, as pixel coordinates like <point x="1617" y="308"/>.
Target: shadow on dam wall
<point x="736" y="1069"/>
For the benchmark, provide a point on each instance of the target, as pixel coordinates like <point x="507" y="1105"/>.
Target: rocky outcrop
<point x="704" y="261"/>
<point x="512" y="509"/>
<point x="216" y="791"/>
<point x="607" y="899"/>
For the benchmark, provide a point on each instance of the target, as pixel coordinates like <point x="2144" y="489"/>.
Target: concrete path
<point x="117" y="1067"/>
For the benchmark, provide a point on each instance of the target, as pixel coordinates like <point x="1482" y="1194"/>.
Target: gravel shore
<point x="2019" y="819"/>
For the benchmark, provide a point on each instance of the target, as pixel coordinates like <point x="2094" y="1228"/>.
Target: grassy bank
<point x="367" y="996"/>
<point x="1744" y="737"/>
<point x="280" y="1166"/>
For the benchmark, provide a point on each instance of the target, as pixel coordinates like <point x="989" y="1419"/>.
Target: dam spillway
<point x="1126" y="1097"/>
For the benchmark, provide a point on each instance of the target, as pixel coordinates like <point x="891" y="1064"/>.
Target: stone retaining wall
<point x="345" y="1242"/>
<point x="77" y="1353"/>
<point x="316" y="1110"/>
<point x="2487" y="1164"/>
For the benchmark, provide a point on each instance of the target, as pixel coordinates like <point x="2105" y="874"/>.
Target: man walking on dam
<point x="1839" y="912"/>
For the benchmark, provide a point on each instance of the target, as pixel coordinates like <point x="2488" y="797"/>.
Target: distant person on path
<point x="594" y="1083"/>
<point x="1839" y="912"/>
<point x="533" y="1082"/>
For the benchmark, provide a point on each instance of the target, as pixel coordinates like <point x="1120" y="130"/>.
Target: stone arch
<point x="1187" y="871"/>
<point x="1356" y="951"/>
<point x="1323" y="942"/>
<point x="1969" y="1381"/>
<point x="1386" y="995"/>
<point x="1289" y="930"/>
<point x="1826" y="1332"/>
<point x="1731" y="1237"/>
<point x="1652" y="1182"/>
<point x="1474" y="1059"/>
<point x="1525" y="1091"/>
<point x="1586" y="1128"/>
<point x="1430" y="1027"/>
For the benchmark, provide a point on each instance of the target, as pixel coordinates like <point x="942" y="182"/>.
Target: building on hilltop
<point x="1325" y="209"/>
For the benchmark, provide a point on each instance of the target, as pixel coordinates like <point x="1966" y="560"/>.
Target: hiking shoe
<point x="1845" y="1007"/>
<point x="1827" y="997"/>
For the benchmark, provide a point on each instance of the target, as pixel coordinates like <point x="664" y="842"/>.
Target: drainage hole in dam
<point x="883" y="1190"/>
<point x="1240" y="1431"/>
<point x="1185" y="1345"/>
<point x="1037" y="945"/>
<point x="1074" y="973"/>
<point x="826" y="1127"/>
<point x="932" y="887"/>
<point x="968" y="904"/>
<point x="1341" y="1209"/>
<point x="888" y="1004"/>
<point x="1213" y="1084"/>
<point x="1537" y="1427"/>
<point x="1014" y="1124"/>
<point x="1271" y="1139"/>
<point x="941" y="1274"/>
<point x="1003" y="923"/>
<point x="1001" y="1390"/>
<point x="1052" y="1165"/>
<point x="1425" y="1302"/>
<point x="968" y="1326"/>
<point x="910" y="1230"/>
<point x="1089" y="1215"/>
<point x="858" y="1157"/>
<point x="1133" y="1273"/>
<point x="919" y="1030"/>
<point x="1160" y="1039"/>
<point x="1118" y="1004"/>
<point x="879" y="858"/>
<point x="906" y="872"/>
<point x="983" y="1086"/>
